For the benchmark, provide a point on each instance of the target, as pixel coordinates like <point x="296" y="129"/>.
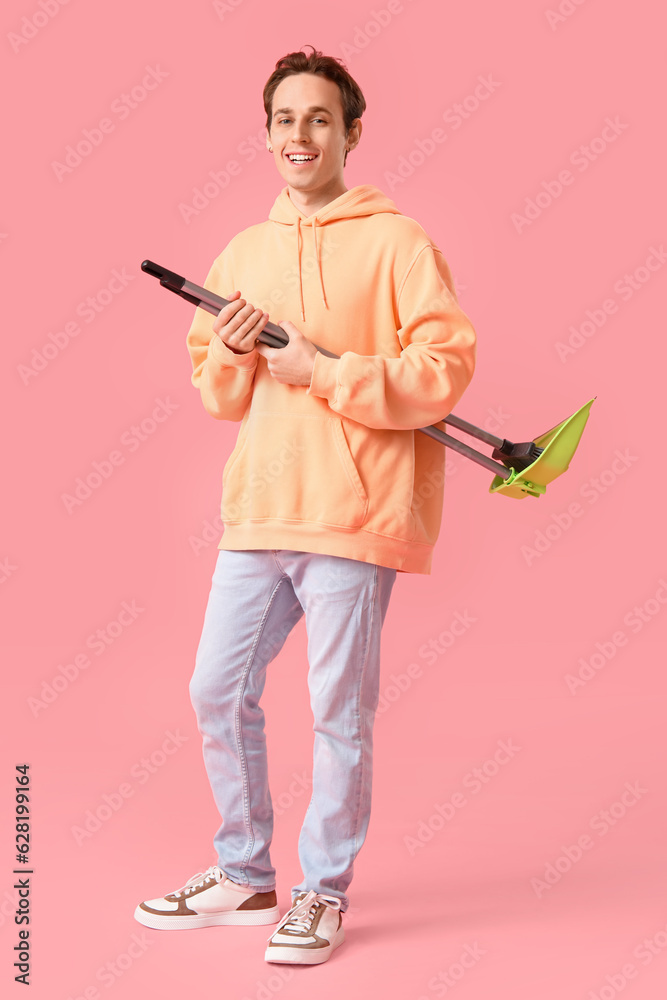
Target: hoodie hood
<point x="357" y="203"/>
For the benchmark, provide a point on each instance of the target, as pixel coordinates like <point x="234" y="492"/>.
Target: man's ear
<point x="354" y="133"/>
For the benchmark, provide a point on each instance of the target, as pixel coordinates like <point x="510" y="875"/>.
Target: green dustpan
<point x="558" y="446"/>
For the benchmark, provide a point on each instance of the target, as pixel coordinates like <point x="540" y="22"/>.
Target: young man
<point x="328" y="493"/>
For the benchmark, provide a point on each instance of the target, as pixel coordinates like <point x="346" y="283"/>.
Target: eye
<point x="282" y="120"/>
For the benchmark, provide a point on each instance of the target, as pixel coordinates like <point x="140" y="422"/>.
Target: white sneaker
<point x="309" y="932"/>
<point x="207" y="899"/>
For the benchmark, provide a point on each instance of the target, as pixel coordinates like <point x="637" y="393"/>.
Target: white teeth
<point x="300" y="159"/>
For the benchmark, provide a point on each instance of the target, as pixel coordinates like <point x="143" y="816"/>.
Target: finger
<point x="266" y="350"/>
<point x="249" y="327"/>
<point x="244" y="339"/>
<point x="228" y="323"/>
<point x="227" y="312"/>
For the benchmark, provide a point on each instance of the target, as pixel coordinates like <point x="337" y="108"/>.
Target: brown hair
<point x="352" y="99"/>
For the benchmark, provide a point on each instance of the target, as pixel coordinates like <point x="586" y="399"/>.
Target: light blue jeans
<point x="256" y="599"/>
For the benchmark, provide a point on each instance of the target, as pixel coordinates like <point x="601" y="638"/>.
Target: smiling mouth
<point x="299" y="159"/>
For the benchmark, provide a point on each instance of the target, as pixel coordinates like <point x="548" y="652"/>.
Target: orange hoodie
<point x="338" y="467"/>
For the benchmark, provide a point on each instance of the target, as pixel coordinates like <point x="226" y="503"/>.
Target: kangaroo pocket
<point x="293" y="468"/>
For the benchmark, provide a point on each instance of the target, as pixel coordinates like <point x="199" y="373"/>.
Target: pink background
<point x="469" y="887"/>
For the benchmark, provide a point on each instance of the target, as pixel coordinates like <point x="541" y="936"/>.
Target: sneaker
<point x="309" y="932"/>
<point x="207" y="899"/>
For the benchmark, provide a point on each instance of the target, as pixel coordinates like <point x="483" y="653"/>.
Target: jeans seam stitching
<point x="239" y="737"/>
<point x="362" y="768"/>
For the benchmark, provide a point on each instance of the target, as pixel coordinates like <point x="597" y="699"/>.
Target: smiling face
<point x="309" y="140"/>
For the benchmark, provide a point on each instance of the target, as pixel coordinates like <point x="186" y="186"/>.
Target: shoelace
<point x="300" y="917"/>
<point x="199" y="879"/>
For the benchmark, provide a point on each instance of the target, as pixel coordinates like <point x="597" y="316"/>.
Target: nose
<point x="299" y="132"/>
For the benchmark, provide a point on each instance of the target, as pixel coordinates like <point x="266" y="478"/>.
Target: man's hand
<point x="238" y="324"/>
<point x="293" y="364"/>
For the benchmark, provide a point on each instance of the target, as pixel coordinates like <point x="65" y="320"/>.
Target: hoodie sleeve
<point x="436" y="364"/>
<point x="224" y="378"/>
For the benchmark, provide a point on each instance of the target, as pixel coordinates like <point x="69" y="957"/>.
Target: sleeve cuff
<point x="324" y="380"/>
<point x="223" y="355"/>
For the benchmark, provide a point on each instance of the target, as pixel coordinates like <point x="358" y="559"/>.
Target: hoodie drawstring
<point x="299" y="246"/>
<point x="319" y="261"/>
<point x="298" y="255"/>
